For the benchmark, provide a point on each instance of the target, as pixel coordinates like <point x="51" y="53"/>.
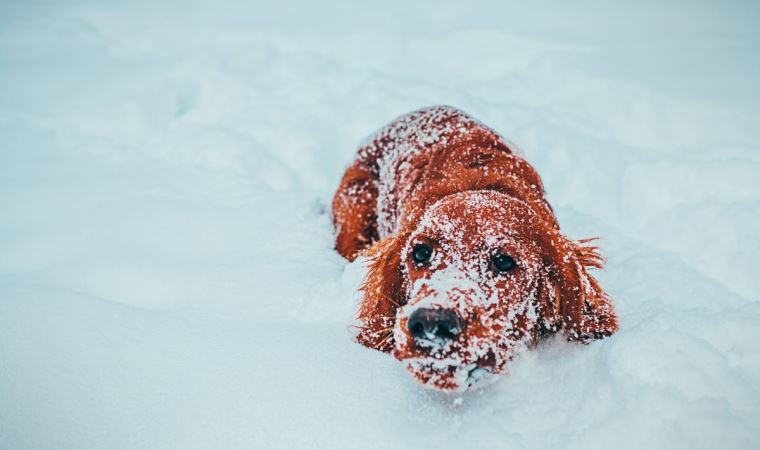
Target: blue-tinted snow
<point x="167" y="278"/>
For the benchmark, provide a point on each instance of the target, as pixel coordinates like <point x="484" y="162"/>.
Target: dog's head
<point x="480" y="276"/>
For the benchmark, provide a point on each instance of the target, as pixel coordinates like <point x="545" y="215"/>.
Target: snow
<point x="167" y="278"/>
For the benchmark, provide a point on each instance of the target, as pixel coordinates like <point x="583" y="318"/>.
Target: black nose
<point x="434" y="324"/>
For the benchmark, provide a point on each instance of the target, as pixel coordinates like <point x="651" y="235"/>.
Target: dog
<point x="466" y="264"/>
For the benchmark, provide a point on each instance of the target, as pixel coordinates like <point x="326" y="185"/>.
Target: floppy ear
<point x="570" y="298"/>
<point x="382" y="293"/>
<point x="548" y="307"/>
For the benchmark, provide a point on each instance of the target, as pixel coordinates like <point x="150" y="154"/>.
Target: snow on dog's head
<point x="479" y="278"/>
<point x="472" y="278"/>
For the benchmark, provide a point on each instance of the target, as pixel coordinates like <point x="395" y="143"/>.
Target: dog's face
<point x="479" y="277"/>
<point x="472" y="269"/>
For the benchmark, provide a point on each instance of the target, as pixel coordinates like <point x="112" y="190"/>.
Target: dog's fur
<point x="440" y="177"/>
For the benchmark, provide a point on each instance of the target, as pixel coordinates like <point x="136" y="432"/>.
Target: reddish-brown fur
<point x="439" y="162"/>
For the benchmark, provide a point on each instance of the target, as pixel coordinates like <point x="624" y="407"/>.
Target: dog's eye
<point x="503" y="262"/>
<point x="421" y="253"/>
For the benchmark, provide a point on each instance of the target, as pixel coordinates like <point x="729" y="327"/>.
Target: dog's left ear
<point x="572" y="297"/>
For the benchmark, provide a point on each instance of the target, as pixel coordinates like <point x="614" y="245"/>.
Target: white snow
<point x="167" y="278"/>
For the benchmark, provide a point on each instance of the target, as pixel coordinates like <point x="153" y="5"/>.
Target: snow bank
<point x="166" y="272"/>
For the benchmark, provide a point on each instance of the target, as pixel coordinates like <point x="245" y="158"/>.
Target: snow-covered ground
<point x="167" y="278"/>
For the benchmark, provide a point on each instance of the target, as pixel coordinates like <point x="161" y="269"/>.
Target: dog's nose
<point x="434" y="324"/>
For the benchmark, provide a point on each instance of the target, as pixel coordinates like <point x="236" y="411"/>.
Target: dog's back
<point x="420" y="143"/>
<point x="414" y="160"/>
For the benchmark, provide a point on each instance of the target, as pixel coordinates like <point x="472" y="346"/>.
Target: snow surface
<point x="167" y="278"/>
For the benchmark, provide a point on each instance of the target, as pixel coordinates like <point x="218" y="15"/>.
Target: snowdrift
<point x="167" y="277"/>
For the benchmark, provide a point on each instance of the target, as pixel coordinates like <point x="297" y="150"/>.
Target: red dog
<point x="467" y="264"/>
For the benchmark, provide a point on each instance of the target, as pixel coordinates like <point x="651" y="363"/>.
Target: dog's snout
<point x="434" y="324"/>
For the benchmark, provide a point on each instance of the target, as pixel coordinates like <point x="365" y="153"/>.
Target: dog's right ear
<point x="382" y="293"/>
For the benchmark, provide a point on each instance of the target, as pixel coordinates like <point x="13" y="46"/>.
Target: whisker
<point x="390" y="299"/>
<point x="386" y="339"/>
